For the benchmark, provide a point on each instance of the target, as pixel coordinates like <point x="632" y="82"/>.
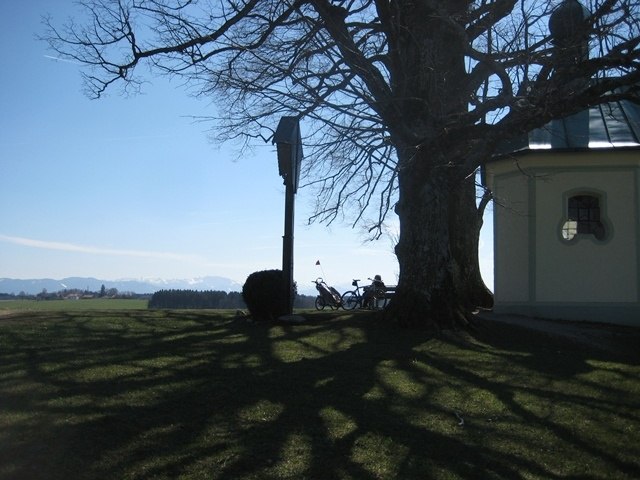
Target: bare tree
<point x="402" y="101"/>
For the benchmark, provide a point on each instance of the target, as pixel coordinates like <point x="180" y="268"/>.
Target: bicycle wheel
<point x="320" y="303"/>
<point x="350" y="300"/>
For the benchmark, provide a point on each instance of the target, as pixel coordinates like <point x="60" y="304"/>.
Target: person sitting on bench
<point x="373" y="292"/>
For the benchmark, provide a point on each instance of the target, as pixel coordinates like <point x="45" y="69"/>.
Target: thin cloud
<point x="72" y="247"/>
<point x="60" y="59"/>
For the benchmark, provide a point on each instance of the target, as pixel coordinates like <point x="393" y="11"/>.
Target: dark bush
<point x="263" y="293"/>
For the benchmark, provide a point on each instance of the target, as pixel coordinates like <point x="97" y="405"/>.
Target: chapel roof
<point x="611" y="125"/>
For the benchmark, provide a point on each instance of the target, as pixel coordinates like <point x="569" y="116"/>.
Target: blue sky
<point x="132" y="187"/>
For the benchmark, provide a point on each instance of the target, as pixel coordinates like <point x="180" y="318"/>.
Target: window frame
<point x="580" y="231"/>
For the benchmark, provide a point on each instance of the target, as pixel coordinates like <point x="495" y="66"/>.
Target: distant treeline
<point x="74" y="294"/>
<point x="210" y="299"/>
<point x="196" y="299"/>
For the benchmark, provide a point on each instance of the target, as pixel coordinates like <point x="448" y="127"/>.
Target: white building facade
<point x="567" y="219"/>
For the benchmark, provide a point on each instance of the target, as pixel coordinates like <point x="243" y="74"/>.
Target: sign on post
<point x="289" y="146"/>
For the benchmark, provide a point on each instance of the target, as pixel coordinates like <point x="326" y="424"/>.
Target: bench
<point x="390" y="290"/>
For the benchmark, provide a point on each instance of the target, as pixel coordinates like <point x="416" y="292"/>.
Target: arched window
<point x="583" y="217"/>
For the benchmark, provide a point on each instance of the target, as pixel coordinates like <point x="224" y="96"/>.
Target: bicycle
<point x="353" y="298"/>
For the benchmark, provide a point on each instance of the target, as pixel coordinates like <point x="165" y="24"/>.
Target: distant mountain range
<point x="35" y="286"/>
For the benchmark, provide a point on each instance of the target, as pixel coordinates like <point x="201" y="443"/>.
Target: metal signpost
<point x="289" y="147"/>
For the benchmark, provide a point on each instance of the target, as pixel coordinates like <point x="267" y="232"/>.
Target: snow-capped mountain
<point x="145" y="285"/>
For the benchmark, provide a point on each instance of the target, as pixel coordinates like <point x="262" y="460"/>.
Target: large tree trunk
<point x="440" y="282"/>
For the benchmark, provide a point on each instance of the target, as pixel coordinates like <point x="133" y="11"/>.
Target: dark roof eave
<point x="555" y="151"/>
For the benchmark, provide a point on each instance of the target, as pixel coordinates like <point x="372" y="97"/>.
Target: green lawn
<point x="141" y="394"/>
<point x="17" y="306"/>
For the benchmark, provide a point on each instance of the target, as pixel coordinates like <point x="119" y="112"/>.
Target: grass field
<point x="138" y="394"/>
<point x="15" y="306"/>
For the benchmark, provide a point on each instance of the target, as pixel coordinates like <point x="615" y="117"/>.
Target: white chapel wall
<point x="585" y="269"/>
<point x="533" y="264"/>
<point x="511" y="223"/>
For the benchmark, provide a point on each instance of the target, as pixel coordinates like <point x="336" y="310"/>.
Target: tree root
<point x="415" y="311"/>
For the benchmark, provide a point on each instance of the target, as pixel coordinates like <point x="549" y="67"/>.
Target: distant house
<point x="567" y="218"/>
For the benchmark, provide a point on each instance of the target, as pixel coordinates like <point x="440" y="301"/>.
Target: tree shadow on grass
<point x="195" y="395"/>
<point x="582" y="396"/>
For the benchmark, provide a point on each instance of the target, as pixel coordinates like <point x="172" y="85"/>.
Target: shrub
<point x="263" y="293"/>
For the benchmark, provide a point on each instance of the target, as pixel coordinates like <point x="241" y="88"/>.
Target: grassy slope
<point x="8" y="307"/>
<point x="157" y="394"/>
